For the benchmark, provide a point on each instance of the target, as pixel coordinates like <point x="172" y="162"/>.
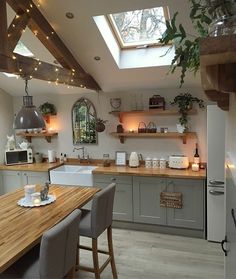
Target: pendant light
<point x="29" y="117"/>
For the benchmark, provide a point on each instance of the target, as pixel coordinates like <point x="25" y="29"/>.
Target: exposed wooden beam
<point x="47" y="35"/>
<point x="3" y="27"/>
<point x="15" y="30"/>
<point x="26" y="66"/>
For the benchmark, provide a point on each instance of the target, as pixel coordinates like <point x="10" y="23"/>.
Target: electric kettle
<point x="134" y="160"/>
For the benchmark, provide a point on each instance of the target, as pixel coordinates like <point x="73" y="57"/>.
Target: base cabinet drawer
<point x="123" y="201"/>
<point x="147" y="200"/>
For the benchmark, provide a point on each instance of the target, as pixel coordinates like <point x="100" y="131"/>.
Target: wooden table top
<point x="21" y="228"/>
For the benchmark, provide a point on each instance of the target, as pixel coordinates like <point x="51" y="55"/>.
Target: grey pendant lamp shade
<point x="29" y="117"/>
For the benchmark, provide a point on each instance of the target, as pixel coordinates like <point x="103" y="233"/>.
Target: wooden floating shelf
<point x="46" y="135"/>
<point x="182" y="136"/>
<point x="218" y="67"/>
<point x="150" y="112"/>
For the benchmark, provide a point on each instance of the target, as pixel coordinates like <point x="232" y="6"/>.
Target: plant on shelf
<point x="203" y="13"/>
<point x="185" y="102"/>
<point x="47" y="109"/>
<point x="100" y="125"/>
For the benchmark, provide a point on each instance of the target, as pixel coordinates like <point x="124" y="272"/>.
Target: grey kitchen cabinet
<point x="147" y="200"/>
<point x="12" y="180"/>
<point x="123" y="201"/>
<point x="191" y="215"/>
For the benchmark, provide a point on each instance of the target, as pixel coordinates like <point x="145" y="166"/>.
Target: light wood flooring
<point x="144" y="255"/>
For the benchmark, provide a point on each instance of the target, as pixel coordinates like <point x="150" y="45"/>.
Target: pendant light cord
<point x="26" y="87"/>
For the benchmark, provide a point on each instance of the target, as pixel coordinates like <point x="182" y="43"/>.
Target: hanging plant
<point x="100" y="125"/>
<point x="203" y="13"/>
<point x="185" y="102"/>
<point x="47" y="108"/>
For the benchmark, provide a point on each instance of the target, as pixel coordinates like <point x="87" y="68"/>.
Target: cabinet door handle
<point x="222" y="246"/>
<point x="233" y="216"/>
<point x="113" y="179"/>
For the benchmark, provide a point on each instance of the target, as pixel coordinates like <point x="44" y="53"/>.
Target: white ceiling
<point x="84" y="40"/>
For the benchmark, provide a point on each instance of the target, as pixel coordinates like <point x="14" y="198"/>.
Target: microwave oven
<point x="18" y="156"/>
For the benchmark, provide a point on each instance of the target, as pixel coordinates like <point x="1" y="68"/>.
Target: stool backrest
<point x="101" y="211"/>
<point x="58" y="247"/>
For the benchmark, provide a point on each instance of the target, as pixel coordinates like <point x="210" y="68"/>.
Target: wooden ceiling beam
<point x="47" y="35"/>
<point x="32" y="68"/>
<point x="15" y="30"/>
<point x="3" y="27"/>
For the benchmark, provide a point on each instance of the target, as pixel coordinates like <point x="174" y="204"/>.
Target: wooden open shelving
<point x="182" y="136"/>
<point x="29" y="136"/>
<point x="218" y="67"/>
<point x="150" y="112"/>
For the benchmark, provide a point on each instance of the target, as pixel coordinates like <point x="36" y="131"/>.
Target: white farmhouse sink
<point x="72" y="175"/>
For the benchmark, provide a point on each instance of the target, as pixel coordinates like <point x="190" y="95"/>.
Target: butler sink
<point x="72" y="175"/>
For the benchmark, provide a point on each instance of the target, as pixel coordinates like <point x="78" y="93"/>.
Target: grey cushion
<point x="95" y="221"/>
<point x="56" y="256"/>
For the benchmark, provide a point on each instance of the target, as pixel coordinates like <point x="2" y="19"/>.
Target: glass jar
<point x="225" y="25"/>
<point x="106" y="160"/>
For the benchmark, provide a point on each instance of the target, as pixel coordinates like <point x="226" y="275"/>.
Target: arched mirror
<point x="83" y="122"/>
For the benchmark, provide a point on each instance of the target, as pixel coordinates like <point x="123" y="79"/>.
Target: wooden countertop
<point x="114" y="170"/>
<point x="142" y="171"/>
<point x="32" y="167"/>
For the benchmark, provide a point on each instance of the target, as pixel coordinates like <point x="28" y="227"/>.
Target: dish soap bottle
<point x="61" y="158"/>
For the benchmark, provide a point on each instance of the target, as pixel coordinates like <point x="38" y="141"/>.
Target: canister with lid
<point x="155" y="163"/>
<point x="148" y="162"/>
<point x="162" y="163"/>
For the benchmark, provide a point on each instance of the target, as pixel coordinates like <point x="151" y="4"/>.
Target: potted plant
<point x="47" y="110"/>
<point x="203" y="13"/>
<point x="100" y="125"/>
<point x="185" y="102"/>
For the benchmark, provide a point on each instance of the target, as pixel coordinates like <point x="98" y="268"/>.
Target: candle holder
<point x="35" y="198"/>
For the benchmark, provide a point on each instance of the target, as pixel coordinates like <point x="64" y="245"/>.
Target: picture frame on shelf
<point x="120" y="158"/>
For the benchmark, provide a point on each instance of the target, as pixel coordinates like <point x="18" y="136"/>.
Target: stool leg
<point x="95" y="258"/>
<point x="111" y="252"/>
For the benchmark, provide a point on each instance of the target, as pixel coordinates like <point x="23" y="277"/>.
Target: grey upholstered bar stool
<point x="57" y="256"/>
<point x="93" y="223"/>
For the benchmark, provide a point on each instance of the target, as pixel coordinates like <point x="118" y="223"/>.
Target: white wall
<point x="106" y="143"/>
<point x="6" y="120"/>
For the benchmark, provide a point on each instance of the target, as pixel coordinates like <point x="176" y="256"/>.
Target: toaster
<point x="178" y="162"/>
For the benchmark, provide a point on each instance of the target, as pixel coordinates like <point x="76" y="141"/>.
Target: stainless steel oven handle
<point x="216" y="193"/>
<point x="216" y="182"/>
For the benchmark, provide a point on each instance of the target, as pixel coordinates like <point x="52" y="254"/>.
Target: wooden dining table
<point x="21" y="228"/>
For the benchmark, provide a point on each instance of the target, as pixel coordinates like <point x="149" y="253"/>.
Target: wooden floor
<point x="143" y="255"/>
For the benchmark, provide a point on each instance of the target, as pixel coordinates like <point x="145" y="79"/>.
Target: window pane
<point x="140" y="26"/>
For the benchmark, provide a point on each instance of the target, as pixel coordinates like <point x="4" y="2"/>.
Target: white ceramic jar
<point x="155" y="163"/>
<point x="148" y="162"/>
<point x="162" y="163"/>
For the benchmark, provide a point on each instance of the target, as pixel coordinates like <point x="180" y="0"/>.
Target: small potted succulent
<point x="185" y="102"/>
<point x="100" y="125"/>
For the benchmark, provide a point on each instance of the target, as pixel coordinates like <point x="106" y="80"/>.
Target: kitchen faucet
<point x="80" y="148"/>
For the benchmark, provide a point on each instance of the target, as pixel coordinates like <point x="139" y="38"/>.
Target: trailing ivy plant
<point x="185" y="102"/>
<point x="202" y="14"/>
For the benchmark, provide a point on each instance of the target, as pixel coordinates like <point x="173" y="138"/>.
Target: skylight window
<point x="139" y="28"/>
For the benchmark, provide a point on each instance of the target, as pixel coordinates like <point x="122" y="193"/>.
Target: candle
<point x="131" y="130"/>
<point x="195" y="167"/>
<point x="29" y="189"/>
<point x="35" y="198"/>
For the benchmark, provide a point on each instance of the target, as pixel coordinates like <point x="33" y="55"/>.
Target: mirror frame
<point x="90" y="105"/>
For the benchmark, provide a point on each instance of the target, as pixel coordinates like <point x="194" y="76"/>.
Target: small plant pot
<point x="180" y="128"/>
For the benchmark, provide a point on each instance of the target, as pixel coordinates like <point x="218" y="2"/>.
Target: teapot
<point x="24" y="145"/>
